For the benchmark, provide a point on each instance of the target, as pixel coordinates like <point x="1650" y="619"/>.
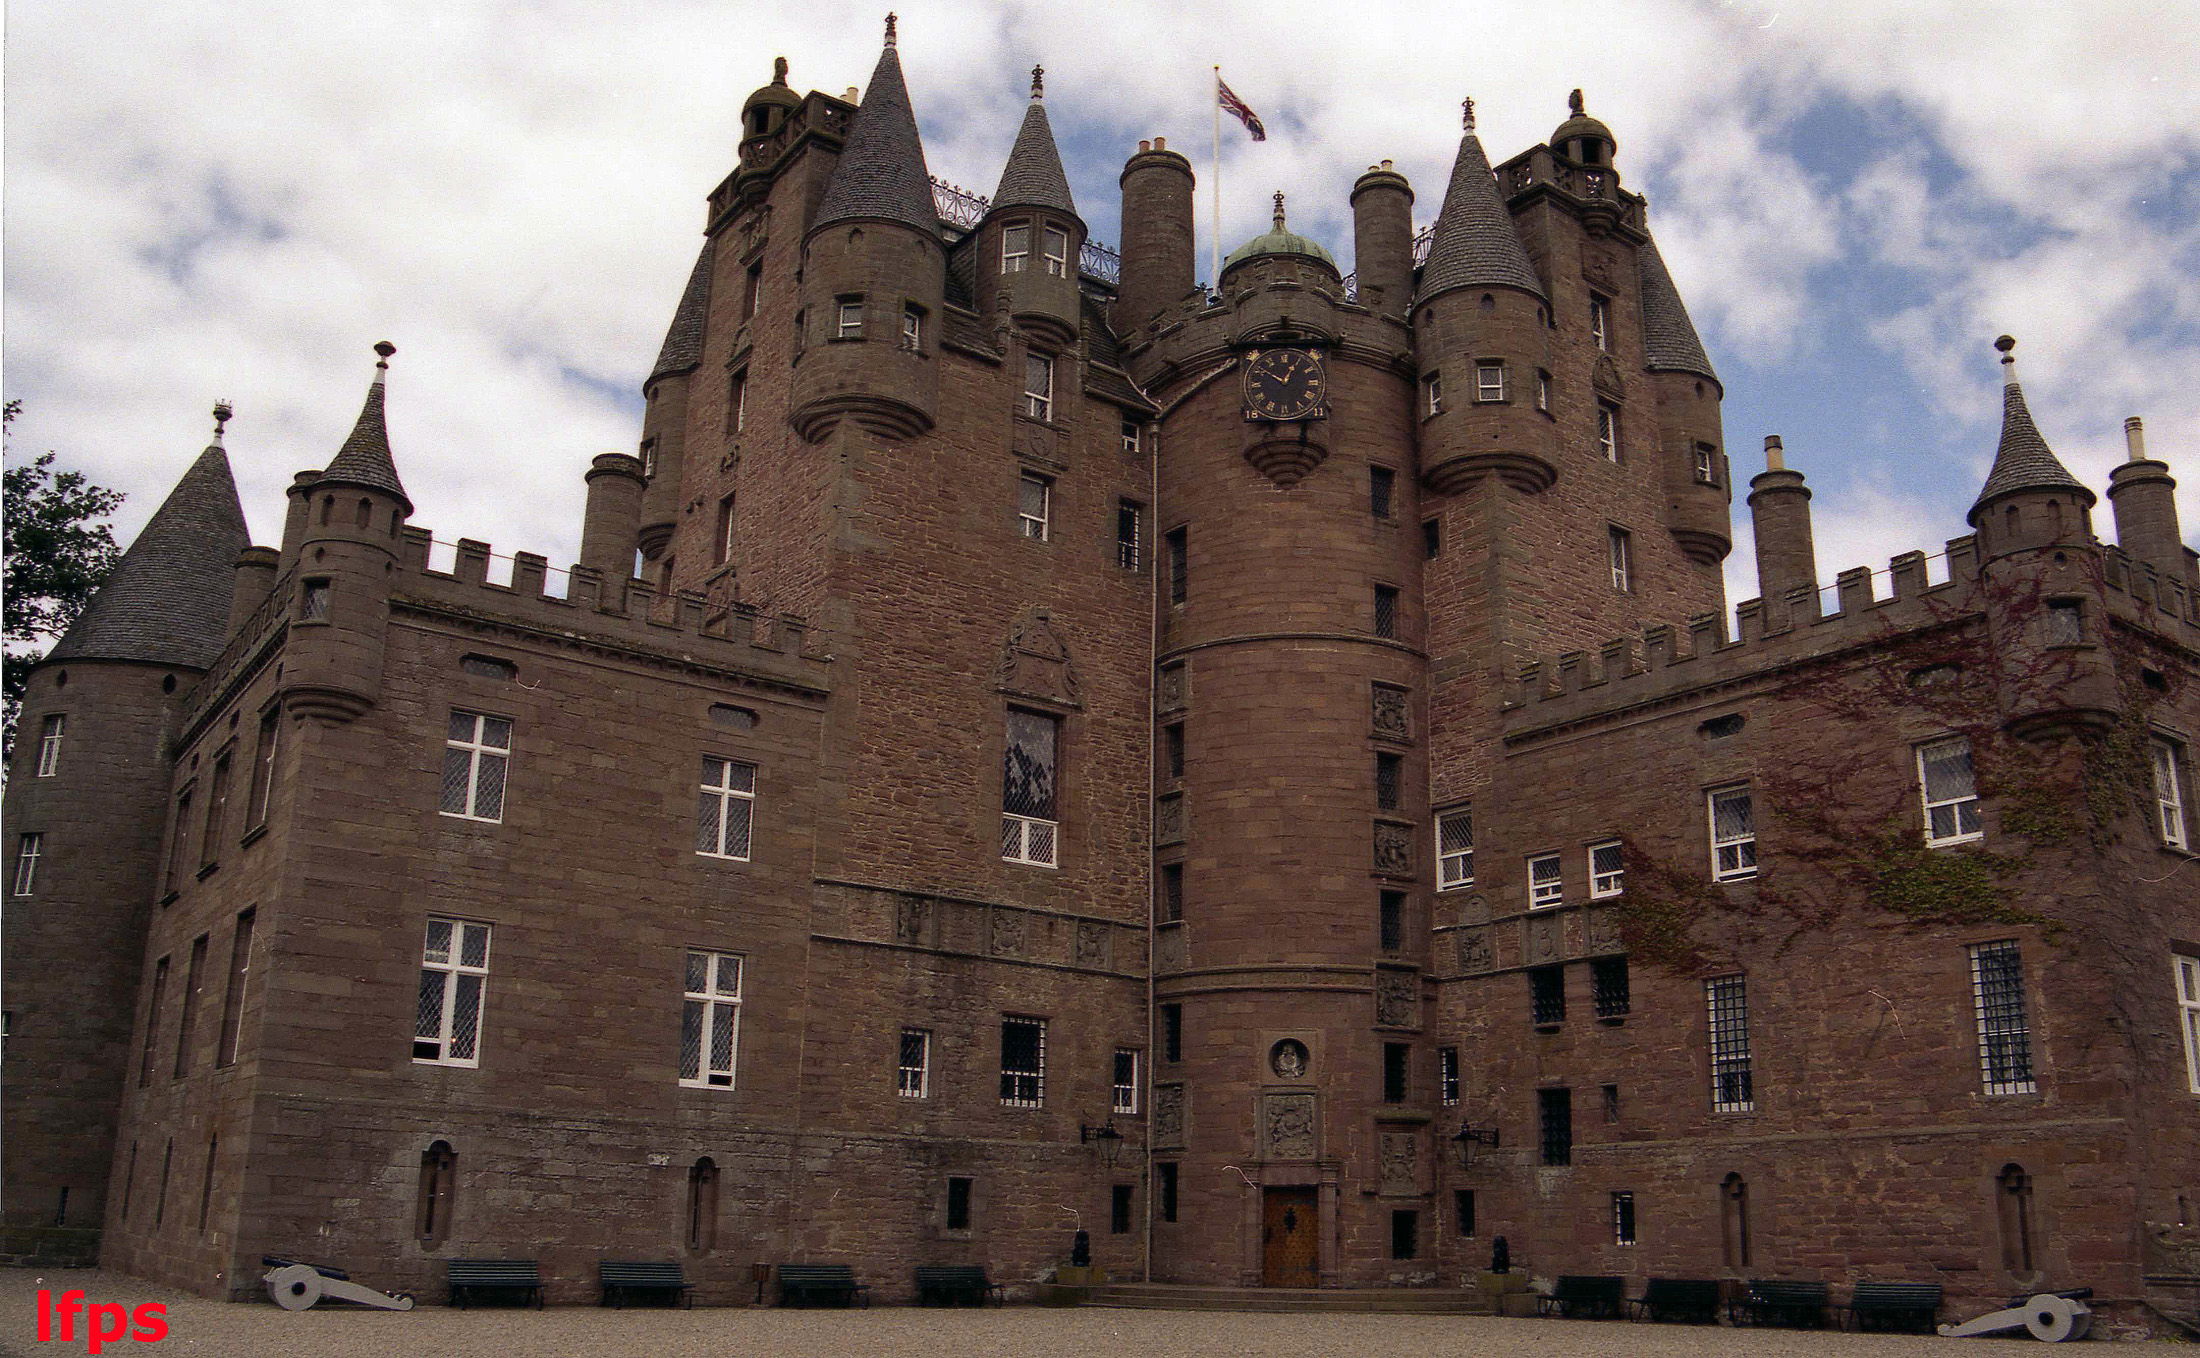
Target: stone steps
<point x="1176" y="1297"/>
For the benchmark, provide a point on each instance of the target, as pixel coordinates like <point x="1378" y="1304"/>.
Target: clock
<point x="1285" y="384"/>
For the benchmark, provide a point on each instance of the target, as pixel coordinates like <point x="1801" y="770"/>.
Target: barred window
<point x="1546" y="881"/>
<point x="1391" y="921"/>
<point x="475" y="755"/>
<point x="1607" y="869"/>
<point x="1455" y="849"/>
<point x="1950" y="791"/>
<point x="1608" y="986"/>
<point x="725" y="809"/>
<point x="1389" y="780"/>
<point x="313" y="600"/>
<point x="1172" y="1032"/>
<point x="1396" y="1058"/>
<point x="1556" y="1109"/>
<point x="913" y="1068"/>
<point x="1382" y="489"/>
<point x="1034" y="496"/>
<point x="1489" y="382"/>
<point x="49" y="743"/>
<point x="29" y="848"/>
<point x="1623" y="1218"/>
<point x="1386" y="611"/>
<point x="2004" y="1031"/>
<point x="1447" y="1077"/>
<point x="1732" y="1090"/>
<point x="2169" y="797"/>
<point x="1128" y="513"/>
<point x="1547" y="994"/>
<point x="1733" y="834"/>
<point x="1023" y="1062"/>
<point x="1123" y="1088"/>
<point x="710" y="1020"/>
<point x="1028" y="823"/>
<point x="454" y="971"/>
<point x="2188" y="1015"/>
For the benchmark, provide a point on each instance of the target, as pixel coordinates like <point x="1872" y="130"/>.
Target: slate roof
<point x="1668" y="337"/>
<point x="2024" y="461"/>
<point x="167" y="601"/>
<point x="881" y="172"/>
<point x="1033" y="176"/>
<point x="365" y="459"/>
<point x="1475" y="244"/>
<point x="684" y="340"/>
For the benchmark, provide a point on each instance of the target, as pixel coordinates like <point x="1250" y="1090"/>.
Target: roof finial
<point x="222" y="412"/>
<point x="890" y="30"/>
<point x="1279" y="209"/>
<point x="382" y="352"/>
<point x="1466" y="109"/>
<point x="779" y="70"/>
<point x="2008" y="359"/>
<point x="1038" y="82"/>
<point x="1573" y="101"/>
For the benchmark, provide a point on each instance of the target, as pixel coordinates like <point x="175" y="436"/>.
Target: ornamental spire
<point x="365" y="459"/>
<point x="2023" y="461"/>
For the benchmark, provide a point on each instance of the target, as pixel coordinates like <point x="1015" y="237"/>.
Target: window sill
<point x="169" y="897"/>
<point x="254" y="835"/>
<point x="208" y="870"/>
<point x="1612" y="1020"/>
<point x="1956" y="842"/>
<point x="1549" y="1027"/>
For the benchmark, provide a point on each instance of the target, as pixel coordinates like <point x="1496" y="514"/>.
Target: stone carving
<point x="1173" y="950"/>
<point x="1604" y="931"/>
<point x="1168" y="819"/>
<point x="1397" y="999"/>
<point x="913" y="920"/>
<point x="1398" y="1163"/>
<point x="1288" y="1126"/>
<point x="1388" y="712"/>
<point x="1597" y="267"/>
<point x="1542" y="939"/>
<point x="1474" y="950"/>
<point x="1393" y="849"/>
<point x="1170" y="690"/>
<point x="1475" y="909"/>
<point x="1168" y="1116"/>
<point x="1008" y="933"/>
<point x="1289" y="1059"/>
<point x="1036" y="663"/>
<point x="1092" y="943"/>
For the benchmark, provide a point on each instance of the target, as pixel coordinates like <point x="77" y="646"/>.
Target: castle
<point x="1260" y="771"/>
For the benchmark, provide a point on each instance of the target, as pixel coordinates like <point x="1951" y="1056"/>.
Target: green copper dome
<point x="1278" y="241"/>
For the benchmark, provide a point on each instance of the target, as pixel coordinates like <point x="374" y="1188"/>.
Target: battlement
<point x="2141" y="594"/>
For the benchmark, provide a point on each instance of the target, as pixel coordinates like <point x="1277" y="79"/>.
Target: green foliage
<point x="1955" y="887"/>
<point x="56" y="553"/>
<point x="1658" y="914"/>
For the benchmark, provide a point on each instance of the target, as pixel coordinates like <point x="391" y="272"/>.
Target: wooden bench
<point x="1909" y="1307"/>
<point x="955" y="1285"/>
<point x="806" y="1284"/>
<point x="1586" y="1297"/>
<point x="1769" y="1301"/>
<point x="470" y="1277"/>
<point x="1690" y="1301"/>
<point x="624" y="1278"/>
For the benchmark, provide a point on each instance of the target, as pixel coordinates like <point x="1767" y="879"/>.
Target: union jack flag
<point x="1237" y="109"/>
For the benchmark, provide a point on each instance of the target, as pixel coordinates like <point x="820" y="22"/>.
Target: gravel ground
<point x="222" y="1330"/>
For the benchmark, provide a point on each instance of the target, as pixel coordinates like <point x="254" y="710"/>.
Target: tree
<point x="56" y="555"/>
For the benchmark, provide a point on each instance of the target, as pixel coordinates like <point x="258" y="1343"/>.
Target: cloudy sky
<point x="237" y="200"/>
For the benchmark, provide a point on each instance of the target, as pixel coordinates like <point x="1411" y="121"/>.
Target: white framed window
<point x="912" y="327"/>
<point x="710" y="1020"/>
<point x="1732" y="1088"/>
<point x="2188" y="1015"/>
<point x="1128" y="514"/>
<point x="722" y="546"/>
<point x="1489" y="382"/>
<point x="1432" y="393"/>
<point x="1950" y="791"/>
<point x="1543" y="392"/>
<point x="454" y="974"/>
<point x="913" y="1067"/>
<point x="2004" y="1029"/>
<point x="1447" y="1076"/>
<point x="476" y="753"/>
<point x="1054" y="249"/>
<point x="1455" y="849"/>
<point x="1546" y="881"/>
<point x="1039" y="386"/>
<point x="1028" y="765"/>
<point x="1130" y="436"/>
<point x="1707" y="464"/>
<point x="1034" y="498"/>
<point x="725" y="809"/>
<point x="1608" y="431"/>
<point x="1600" y="322"/>
<point x="1607" y="869"/>
<point x="737" y="402"/>
<point x="1623" y="560"/>
<point x="2169" y="793"/>
<point x="28" y="849"/>
<point x="1123" y="1084"/>
<point x="1733" y="834"/>
<point x="1023" y="1062"/>
<point x="848" y="319"/>
<point x="49" y="743"/>
<point x="1015" y="247"/>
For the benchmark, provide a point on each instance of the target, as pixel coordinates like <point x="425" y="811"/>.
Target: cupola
<point x="1582" y="138"/>
<point x="1279" y="240"/>
<point x="768" y="109"/>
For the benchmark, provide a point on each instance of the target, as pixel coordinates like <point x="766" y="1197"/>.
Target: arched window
<point x="2013" y="1203"/>
<point x="438" y="1192"/>
<point x="1734" y="1220"/>
<point x="702" y="1206"/>
<point x="366" y="511"/>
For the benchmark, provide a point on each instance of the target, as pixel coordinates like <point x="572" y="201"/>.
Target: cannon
<point x="2048" y="1316"/>
<point x="296" y="1287"/>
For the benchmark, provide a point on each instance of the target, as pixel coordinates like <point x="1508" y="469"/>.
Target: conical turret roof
<point x="2023" y="461"/>
<point x="1033" y="176"/>
<point x="881" y="172"/>
<point x="1475" y="245"/>
<point x="167" y="601"/>
<point x="1668" y="337"/>
<point x="365" y="459"/>
<point x="684" y="340"/>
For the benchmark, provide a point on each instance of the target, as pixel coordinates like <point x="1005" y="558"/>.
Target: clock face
<point x="1285" y="384"/>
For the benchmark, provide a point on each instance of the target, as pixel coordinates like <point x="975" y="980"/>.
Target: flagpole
<point x="1215" y="240"/>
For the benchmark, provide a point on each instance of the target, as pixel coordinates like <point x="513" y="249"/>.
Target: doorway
<point x="1290" y="1253"/>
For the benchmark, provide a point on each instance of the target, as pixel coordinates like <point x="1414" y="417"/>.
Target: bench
<point x="1907" y="1307"/>
<point x="1690" y="1301"/>
<point x="471" y="1277"/>
<point x="1588" y="1297"/>
<point x="805" y="1284"/>
<point x="955" y="1285"/>
<point x="1769" y="1301"/>
<point x="625" y="1278"/>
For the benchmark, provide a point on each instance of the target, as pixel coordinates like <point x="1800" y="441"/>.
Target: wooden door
<point x="1290" y="1254"/>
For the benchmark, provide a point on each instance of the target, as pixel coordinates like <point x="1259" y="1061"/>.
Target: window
<point x="2065" y="622"/>
<point x="1489" y="382"/>
<point x="649" y="458"/>
<point x="1172" y="892"/>
<point x="1600" y="322"/>
<point x="206" y="1185"/>
<point x="1556" y="1110"/>
<point x="1611" y="1102"/>
<point x="1432" y="538"/>
<point x="1382" y="484"/>
<point x="1623" y="560"/>
<point x="1608" y="986"/>
<point x="848" y="319"/>
<point x="1386" y="611"/>
<point x="217" y="807"/>
<point x="1128" y="513"/>
<point x="475" y="754"/>
<point x="194" y="977"/>
<point x="1179" y="565"/>
<point x="752" y="292"/>
<point x="1023" y="1062"/>
<point x="1432" y="393"/>
<point x="1172" y="1032"/>
<point x="1543" y="392"/>
<point x="1733" y="835"/>
<point x="1608" y="431"/>
<point x="1607" y="870"/>
<point x="2169" y="799"/>
<point x="913" y="1068"/>
<point x="725" y="809"/>
<point x="179" y="840"/>
<point x="49" y="743"/>
<point x="153" y="1007"/>
<point x="1455" y="849"/>
<point x="1405" y="1233"/>
<point x="1165" y="1171"/>
<point x="1392" y="925"/>
<point x="1447" y="1078"/>
<point x="28" y="849"/>
<point x="1732" y="1091"/>
<point x="1119" y="1209"/>
<point x="454" y="970"/>
<point x="1623" y="1218"/>
<point x="1396" y="1058"/>
<point x="710" y="1020"/>
<point x="1462" y="1209"/>
<point x="2188" y="1015"/>
<point x="2004" y="1032"/>
<point x="912" y="327"/>
<point x="1172" y="750"/>
<point x="1707" y="465"/>
<point x="1034" y="495"/>
<point x="1054" y="249"/>
<point x="263" y="768"/>
<point x="1389" y="781"/>
<point x="2013" y="1213"/>
<point x="1123" y="1089"/>
<point x="1547" y="995"/>
<point x="702" y="1205"/>
<point x="1039" y="386"/>
<point x="438" y="1186"/>
<point x="722" y="539"/>
<point x="1130" y="436"/>
<point x="1950" y="791"/>
<point x="313" y="598"/>
<point x="240" y="967"/>
<point x="1546" y="884"/>
<point x="1015" y="247"/>
<point x="737" y="398"/>
<point x="1028" y="823"/>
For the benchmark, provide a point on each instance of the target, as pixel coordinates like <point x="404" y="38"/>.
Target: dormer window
<point x="1015" y="247"/>
<point x="1055" y="250"/>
